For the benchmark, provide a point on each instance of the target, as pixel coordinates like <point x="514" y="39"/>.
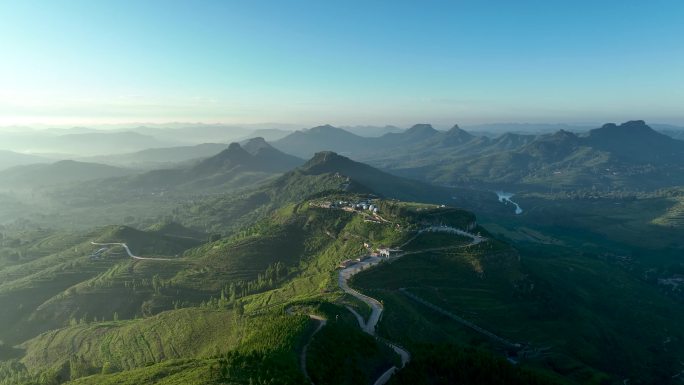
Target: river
<point x="505" y="198"/>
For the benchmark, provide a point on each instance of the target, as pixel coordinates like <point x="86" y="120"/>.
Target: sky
<point x="341" y="62"/>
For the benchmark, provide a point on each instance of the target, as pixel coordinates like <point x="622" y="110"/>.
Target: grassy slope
<point x="128" y="344"/>
<point x="488" y="283"/>
<point x="674" y="216"/>
<point x="248" y="350"/>
<point x="579" y="307"/>
<point x="29" y="287"/>
<point x="308" y="241"/>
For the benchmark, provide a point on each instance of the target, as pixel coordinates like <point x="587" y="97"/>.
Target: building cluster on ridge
<point x="358" y="206"/>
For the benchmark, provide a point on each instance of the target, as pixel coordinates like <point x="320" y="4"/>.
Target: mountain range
<point x="236" y="166"/>
<point x="177" y="306"/>
<point x="627" y="156"/>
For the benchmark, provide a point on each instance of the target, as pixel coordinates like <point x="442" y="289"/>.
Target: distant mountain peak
<point x="255" y="145"/>
<point x="324" y="128"/>
<point x="269" y="156"/>
<point x="255" y="154"/>
<point x="632" y="127"/>
<point x="563" y="134"/>
<point x="257" y="139"/>
<point x="323" y="157"/>
<point x="421" y="128"/>
<point x="234" y="147"/>
<point x="234" y="154"/>
<point x="634" y="123"/>
<point x="456" y="130"/>
<point x="326" y="161"/>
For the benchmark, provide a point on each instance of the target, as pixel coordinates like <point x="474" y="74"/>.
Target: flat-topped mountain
<point x="636" y="141"/>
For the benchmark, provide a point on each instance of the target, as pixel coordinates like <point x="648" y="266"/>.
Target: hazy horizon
<point x="308" y="63"/>
<point x="304" y="126"/>
<point x="176" y="209"/>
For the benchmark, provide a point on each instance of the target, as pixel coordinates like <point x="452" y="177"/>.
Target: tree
<point x="108" y="368"/>
<point x="215" y="237"/>
<point x="157" y="283"/>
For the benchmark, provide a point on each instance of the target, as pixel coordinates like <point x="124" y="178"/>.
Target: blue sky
<point x="341" y="62"/>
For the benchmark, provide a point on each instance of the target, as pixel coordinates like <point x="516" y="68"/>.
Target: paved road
<point x="376" y="312"/>
<point x="359" y="318"/>
<point x="376" y="306"/>
<point x="130" y="254"/>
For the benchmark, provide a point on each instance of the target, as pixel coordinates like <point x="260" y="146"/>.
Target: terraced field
<point x="674" y="216"/>
<point x="128" y="344"/>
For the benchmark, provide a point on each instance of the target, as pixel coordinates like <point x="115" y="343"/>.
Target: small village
<point x="365" y="207"/>
<point x="371" y="213"/>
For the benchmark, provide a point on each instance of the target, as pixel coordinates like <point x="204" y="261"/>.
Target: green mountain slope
<point x="569" y="313"/>
<point x="125" y="345"/>
<point x="234" y="167"/>
<point x="290" y="254"/>
<point x="235" y="307"/>
<point x="629" y="156"/>
<point x="36" y="292"/>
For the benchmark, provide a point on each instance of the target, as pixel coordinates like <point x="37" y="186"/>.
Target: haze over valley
<point x="360" y="193"/>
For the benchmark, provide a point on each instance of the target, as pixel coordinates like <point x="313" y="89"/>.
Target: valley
<point x="341" y="193"/>
<point x="331" y="271"/>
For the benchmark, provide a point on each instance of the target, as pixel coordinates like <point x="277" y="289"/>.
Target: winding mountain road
<point x="376" y="306"/>
<point x="130" y="254"/>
